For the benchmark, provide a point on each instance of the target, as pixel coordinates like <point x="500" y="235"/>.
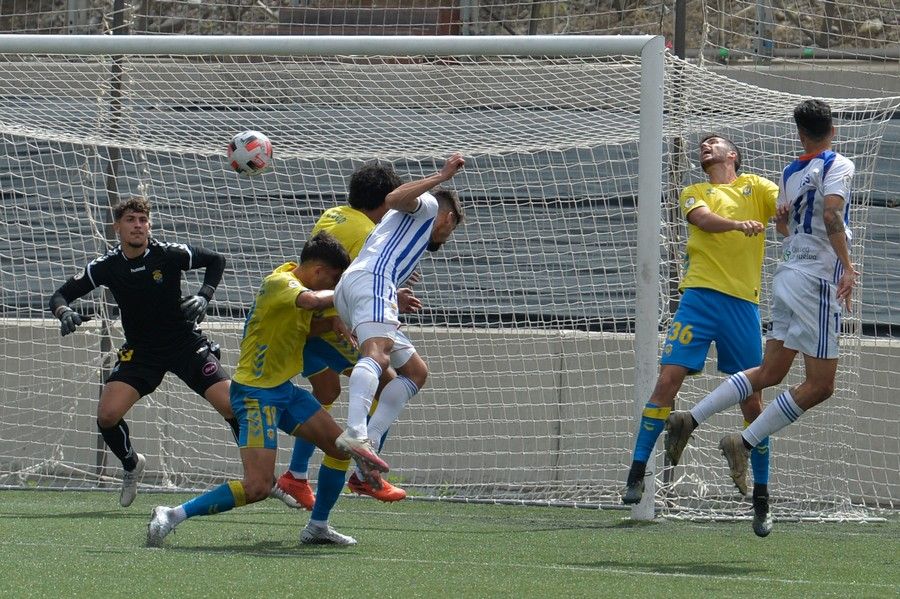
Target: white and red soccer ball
<point x="250" y="153"/>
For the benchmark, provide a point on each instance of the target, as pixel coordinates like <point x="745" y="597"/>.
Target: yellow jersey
<point x="275" y="332"/>
<point x="729" y="262"/>
<point x="350" y="227"/>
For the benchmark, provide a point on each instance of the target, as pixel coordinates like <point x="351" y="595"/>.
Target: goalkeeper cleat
<point x="738" y="456"/>
<point x="387" y="493"/>
<point x="679" y="426"/>
<point x="370" y="465"/>
<point x="634" y="491"/>
<point x="130" y="481"/>
<point x="324" y="535"/>
<point x="294" y="492"/>
<point x="161" y="524"/>
<point x="762" y="519"/>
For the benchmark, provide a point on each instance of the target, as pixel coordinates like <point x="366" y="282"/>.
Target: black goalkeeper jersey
<point x="148" y="291"/>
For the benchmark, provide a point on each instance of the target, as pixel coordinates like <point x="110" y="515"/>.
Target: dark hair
<point x="731" y="147"/>
<point x="324" y="247"/>
<point x="371" y="183"/>
<point x="449" y="200"/>
<point x="134" y="204"/>
<point x="813" y="118"/>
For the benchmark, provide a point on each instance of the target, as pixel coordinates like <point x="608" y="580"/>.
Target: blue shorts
<point x="705" y="316"/>
<point x="260" y="411"/>
<point x="319" y="355"/>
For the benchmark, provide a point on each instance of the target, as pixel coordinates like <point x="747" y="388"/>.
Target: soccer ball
<point x="250" y="153"/>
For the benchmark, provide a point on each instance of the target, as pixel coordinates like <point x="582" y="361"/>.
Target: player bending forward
<point x="366" y="297"/>
<point x="264" y="399"/>
<point x="328" y="356"/>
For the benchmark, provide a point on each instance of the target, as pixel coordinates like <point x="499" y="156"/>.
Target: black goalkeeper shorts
<point x="197" y="365"/>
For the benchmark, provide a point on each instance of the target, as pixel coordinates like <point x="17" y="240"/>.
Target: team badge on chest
<point x="157" y="276"/>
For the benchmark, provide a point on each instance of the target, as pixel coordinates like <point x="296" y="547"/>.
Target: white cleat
<point x="316" y="535"/>
<point x="161" y="524"/>
<point x="370" y="465"/>
<point x="130" y="482"/>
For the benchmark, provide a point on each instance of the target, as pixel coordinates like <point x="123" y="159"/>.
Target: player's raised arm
<point x="406" y="197"/>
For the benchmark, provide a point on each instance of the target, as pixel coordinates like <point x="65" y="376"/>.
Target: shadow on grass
<point x="687" y="568"/>
<point x="634" y="524"/>
<point x="268" y="548"/>
<point x="103" y="514"/>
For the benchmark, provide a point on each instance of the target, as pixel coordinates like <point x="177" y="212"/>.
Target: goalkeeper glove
<point x="69" y="320"/>
<point x="194" y="308"/>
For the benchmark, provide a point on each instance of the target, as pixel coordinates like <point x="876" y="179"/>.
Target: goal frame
<point x="650" y="50"/>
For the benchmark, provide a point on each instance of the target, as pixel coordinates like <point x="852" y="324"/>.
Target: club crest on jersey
<point x="157" y="276"/>
<point x="79" y="276"/>
<point x="748" y="190"/>
<point x="690" y="202"/>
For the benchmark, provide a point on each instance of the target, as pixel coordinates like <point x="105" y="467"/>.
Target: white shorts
<point x="361" y="296"/>
<point x="806" y="315"/>
<point x="368" y="305"/>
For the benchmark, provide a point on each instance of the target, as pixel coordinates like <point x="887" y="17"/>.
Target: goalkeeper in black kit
<point x="161" y="332"/>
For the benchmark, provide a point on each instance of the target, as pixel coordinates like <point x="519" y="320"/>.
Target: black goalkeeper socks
<point x="119" y="442"/>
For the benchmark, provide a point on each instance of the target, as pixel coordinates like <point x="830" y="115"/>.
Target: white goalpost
<point x="543" y="315"/>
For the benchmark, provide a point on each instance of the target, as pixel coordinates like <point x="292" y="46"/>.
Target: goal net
<point x="534" y="312"/>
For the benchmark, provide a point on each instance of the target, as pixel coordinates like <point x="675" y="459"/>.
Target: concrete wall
<point x="550" y="411"/>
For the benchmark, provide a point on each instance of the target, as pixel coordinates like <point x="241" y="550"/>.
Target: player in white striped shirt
<point x="814" y="276"/>
<point x="366" y="297"/>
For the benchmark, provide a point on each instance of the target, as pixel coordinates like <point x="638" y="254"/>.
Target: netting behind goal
<point x="530" y="310"/>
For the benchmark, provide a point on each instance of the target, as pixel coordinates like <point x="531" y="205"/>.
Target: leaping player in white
<point x="813" y="277"/>
<point x="366" y="297"/>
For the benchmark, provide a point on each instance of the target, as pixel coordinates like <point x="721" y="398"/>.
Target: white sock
<point x="392" y="401"/>
<point x="177" y="515"/>
<point x="299" y="475"/>
<point x="317" y="523"/>
<point x="731" y="392"/>
<point x="775" y="417"/>
<point x="363" y="385"/>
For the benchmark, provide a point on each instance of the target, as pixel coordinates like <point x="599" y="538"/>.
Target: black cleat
<point x="762" y="519"/>
<point x="634" y="491"/>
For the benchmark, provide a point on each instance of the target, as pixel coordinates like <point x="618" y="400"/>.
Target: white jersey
<point x="804" y="185"/>
<point x="394" y="248"/>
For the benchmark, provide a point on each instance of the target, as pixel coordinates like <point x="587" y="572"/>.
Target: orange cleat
<point x="386" y="493"/>
<point x="297" y="489"/>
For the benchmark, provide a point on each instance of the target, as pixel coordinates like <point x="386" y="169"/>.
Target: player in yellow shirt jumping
<point x="719" y="303"/>
<point x="264" y="398"/>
